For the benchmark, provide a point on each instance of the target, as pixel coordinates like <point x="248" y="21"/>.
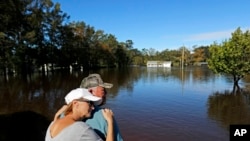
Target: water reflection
<point x="227" y="108"/>
<point x="45" y="94"/>
<point x="40" y="94"/>
<point x="149" y="103"/>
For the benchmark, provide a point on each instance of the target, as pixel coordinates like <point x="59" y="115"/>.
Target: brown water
<point x="149" y="103"/>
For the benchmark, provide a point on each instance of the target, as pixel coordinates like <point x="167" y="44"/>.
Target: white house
<point x="159" y="64"/>
<point x="167" y="64"/>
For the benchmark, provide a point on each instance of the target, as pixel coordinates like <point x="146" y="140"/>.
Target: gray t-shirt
<point x="78" y="131"/>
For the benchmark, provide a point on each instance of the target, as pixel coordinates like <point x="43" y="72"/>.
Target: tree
<point x="18" y="35"/>
<point x="122" y="57"/>
<point x="232" y="56"/>
<point x="8" y="35"/>
<point x="54" y="19"/>
<point x="200" y="54"/>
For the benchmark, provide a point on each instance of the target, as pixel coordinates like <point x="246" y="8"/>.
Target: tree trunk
<point x="236" y="88"/>
<point x="5" y="74"/>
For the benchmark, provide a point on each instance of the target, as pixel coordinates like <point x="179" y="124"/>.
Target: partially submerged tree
<point x="232" y="56"/>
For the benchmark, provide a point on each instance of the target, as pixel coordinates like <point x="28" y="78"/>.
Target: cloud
<point x="215" y="36"/>
<point x="219" y="35"/>
<point x="175" y="41"/>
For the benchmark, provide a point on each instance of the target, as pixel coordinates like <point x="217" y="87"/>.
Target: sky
<point x="162" y="24"/>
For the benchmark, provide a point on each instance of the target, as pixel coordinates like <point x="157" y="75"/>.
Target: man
<point x="97" y="87"/>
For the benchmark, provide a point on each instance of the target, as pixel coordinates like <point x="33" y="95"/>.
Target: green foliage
<point x="232" y="56"/>
<point x="200" y="54"/>
<point x="35" y="33"/>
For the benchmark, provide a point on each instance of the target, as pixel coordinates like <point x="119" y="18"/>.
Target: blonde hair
<point x="69" y="109"/>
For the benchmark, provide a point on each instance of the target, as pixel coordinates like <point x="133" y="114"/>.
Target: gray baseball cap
<point x="94" y="80"/>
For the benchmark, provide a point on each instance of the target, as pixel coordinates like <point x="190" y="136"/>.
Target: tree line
<point x="37" y="35"/>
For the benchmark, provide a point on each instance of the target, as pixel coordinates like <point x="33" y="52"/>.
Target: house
<point x="201" y="64"/>
<point x="159" y="64"/>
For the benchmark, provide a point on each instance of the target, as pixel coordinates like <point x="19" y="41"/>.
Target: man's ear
<point x="90" y="90"/>
<point x="74" y="102"/>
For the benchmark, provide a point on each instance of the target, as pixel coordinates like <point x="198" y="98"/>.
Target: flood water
<point x="157" y="104"/>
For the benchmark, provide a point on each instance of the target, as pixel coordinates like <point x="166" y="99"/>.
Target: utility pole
<point x="182" y="58"/>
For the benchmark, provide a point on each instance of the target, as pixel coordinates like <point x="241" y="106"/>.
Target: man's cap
<point x="94" y="80"/>
<point x="80" y="93"/>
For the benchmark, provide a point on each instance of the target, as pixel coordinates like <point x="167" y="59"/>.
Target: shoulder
<point x="97" y="112"/>
<point x="87" y="133"/>
<point x="97" y="120"/>
<point x="76" y="131"/>
<point x="47" y="136"/>
<point x="80" y="125"/>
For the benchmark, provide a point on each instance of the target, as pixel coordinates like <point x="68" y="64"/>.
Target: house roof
<point x="159" y="62"/>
